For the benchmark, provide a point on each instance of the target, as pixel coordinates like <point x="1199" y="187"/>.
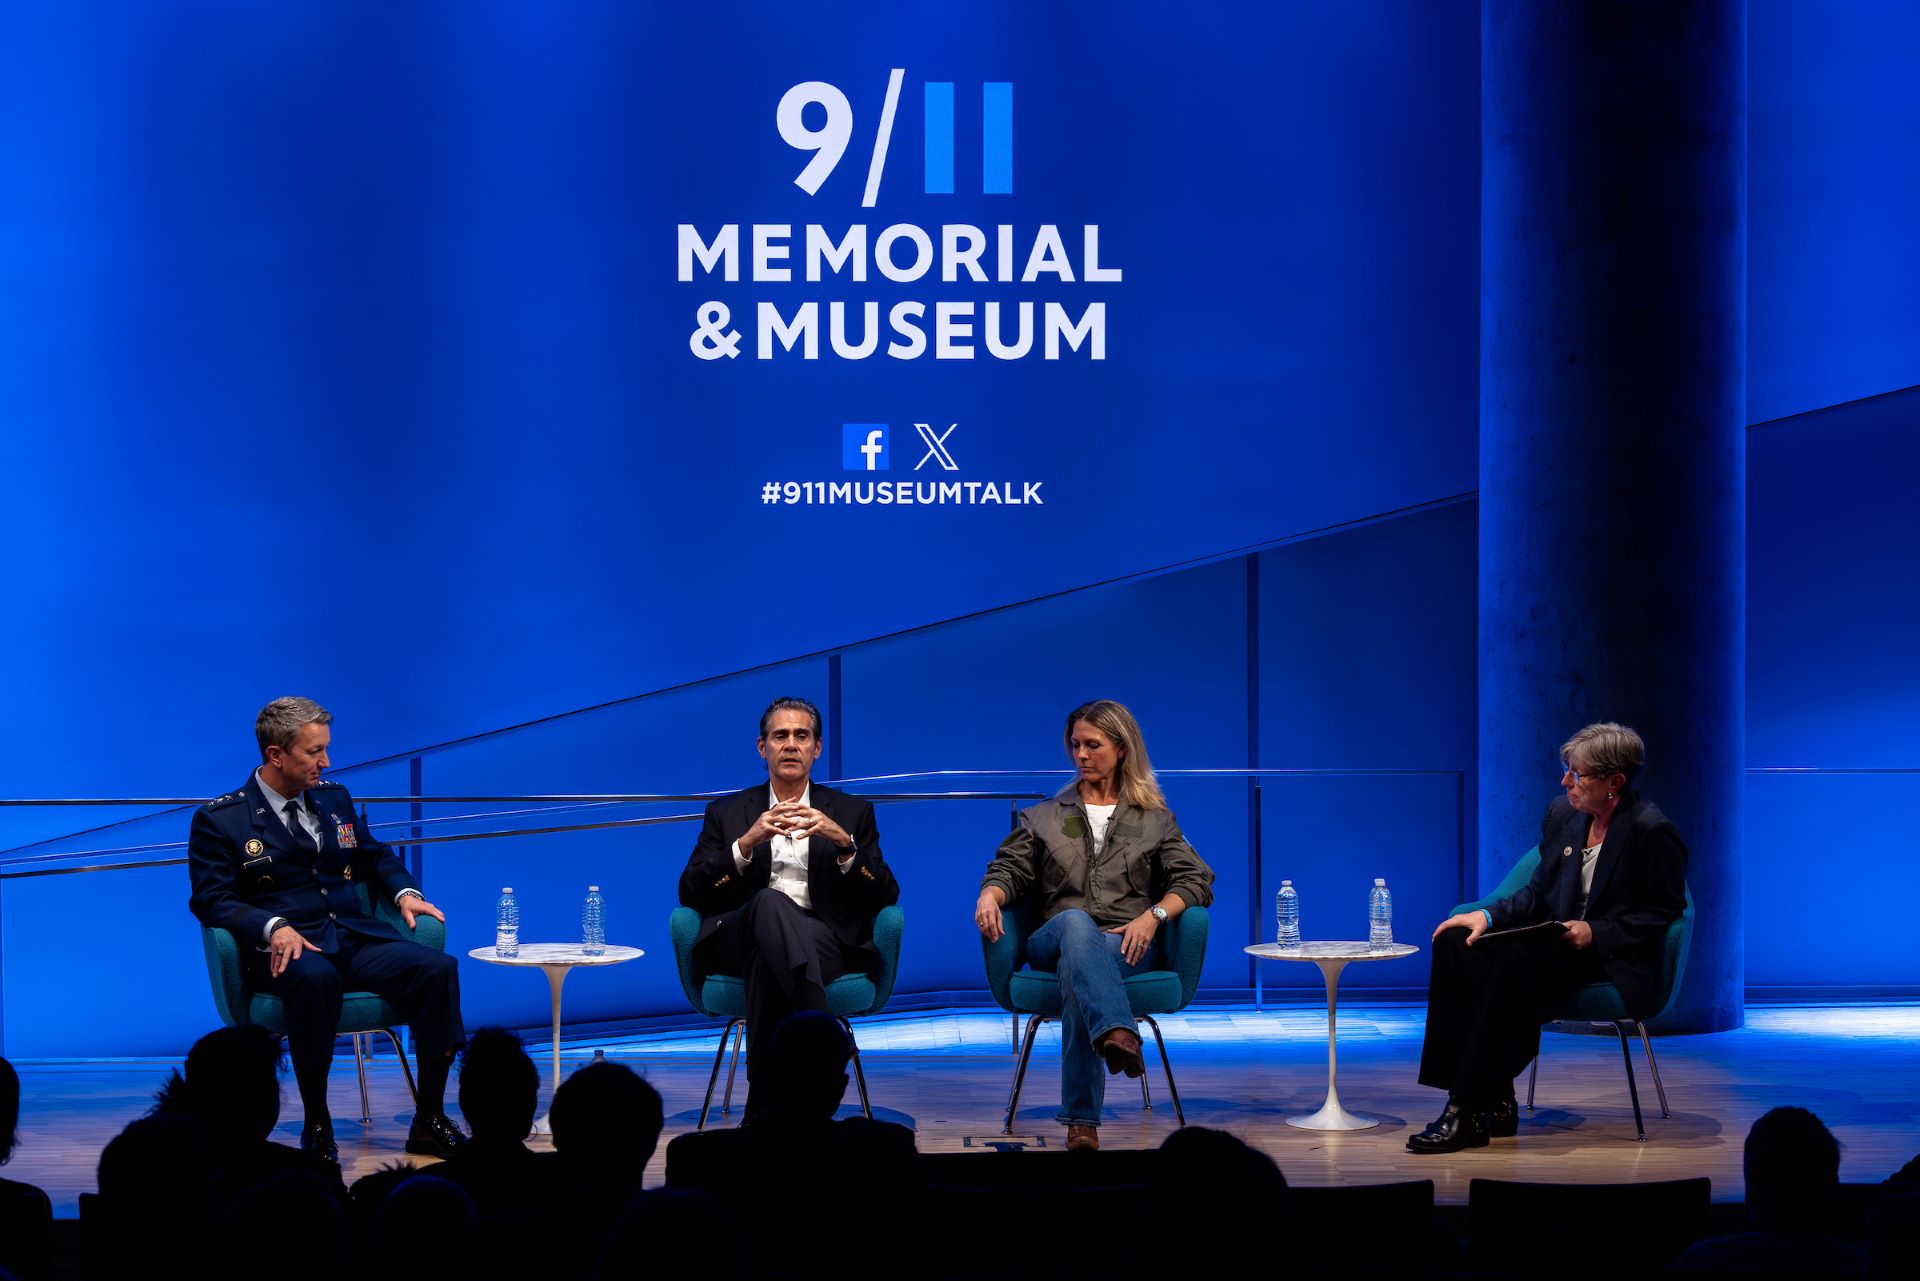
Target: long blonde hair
<point x="1138" y="786"/>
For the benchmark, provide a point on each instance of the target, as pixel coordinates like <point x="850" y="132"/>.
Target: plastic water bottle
<point x="506" y="925"/>
<point x="593" y="923"/>
<point x="1379" y="915"/>
<point x="1288" y="910"/>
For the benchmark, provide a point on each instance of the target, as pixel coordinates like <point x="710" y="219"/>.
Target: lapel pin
<point x="254" y="847"/>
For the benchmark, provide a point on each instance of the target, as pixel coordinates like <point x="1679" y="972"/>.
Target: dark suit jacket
<point x="246" y="869"/>
<point x="1639" y="888"/>
<point x="846" y="902"/>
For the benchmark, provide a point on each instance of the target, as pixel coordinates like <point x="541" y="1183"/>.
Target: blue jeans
<point x="1094" y="998"/>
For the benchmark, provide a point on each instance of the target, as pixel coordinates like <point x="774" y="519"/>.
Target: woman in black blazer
<point x="1611" y="879"/>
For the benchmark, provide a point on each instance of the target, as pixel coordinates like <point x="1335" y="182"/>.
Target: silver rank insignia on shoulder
<point x="254" y="846"/>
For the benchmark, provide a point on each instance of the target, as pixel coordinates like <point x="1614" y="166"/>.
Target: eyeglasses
<point x="1566" y="769"/>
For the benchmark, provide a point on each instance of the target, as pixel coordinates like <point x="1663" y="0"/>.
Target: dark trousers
<point x="785" y="954"/>
<point x="1485" y="1005"/>
<point x="425" y="984"/>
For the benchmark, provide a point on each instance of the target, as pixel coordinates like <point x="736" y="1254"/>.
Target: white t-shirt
<point x="1098" y="816"/>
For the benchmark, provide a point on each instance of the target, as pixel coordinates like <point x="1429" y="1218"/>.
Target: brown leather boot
<point x="1121" y="1049"/>
<point x="1083" y="1138"/>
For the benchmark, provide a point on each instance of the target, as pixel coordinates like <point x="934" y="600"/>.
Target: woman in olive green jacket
<point x="1106" y="866"/>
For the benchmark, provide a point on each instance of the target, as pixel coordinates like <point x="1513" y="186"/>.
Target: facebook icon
<point x="863" y="446"/>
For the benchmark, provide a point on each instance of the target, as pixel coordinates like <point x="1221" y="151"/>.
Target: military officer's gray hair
<point x="281" y="721"/>
<point x="1604" y="750"/>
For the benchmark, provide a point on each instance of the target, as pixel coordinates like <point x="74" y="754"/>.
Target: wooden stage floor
<point x="947" y="1073"/>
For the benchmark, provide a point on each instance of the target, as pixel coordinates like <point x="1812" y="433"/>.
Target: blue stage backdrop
<point x="359" y="349"/>
<point x="374" y="352"/>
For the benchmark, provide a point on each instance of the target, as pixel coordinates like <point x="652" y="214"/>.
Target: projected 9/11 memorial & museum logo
<point x="817" y="117"/>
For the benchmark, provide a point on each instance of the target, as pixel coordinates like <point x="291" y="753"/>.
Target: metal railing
<point x="56" y="863"/>
<point x="16" y="866"/>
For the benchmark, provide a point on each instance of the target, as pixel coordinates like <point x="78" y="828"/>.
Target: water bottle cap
<point x="595" y="889"/>
<point x="506" y="889"/>
<point x="1284" y="884"/>
<point x="1379" y="880"/>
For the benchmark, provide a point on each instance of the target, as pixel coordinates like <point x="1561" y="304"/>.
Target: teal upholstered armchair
<point x="1036" y="994"/>
<point x="361" y="1013"/>
<point x="725" y="997"/>
<point x="1601" y="1003"/>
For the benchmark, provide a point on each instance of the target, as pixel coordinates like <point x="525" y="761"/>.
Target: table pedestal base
<point x="1332" y="1116"/>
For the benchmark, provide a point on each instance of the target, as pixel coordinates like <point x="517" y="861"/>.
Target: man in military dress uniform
<point x="275" y="863"/>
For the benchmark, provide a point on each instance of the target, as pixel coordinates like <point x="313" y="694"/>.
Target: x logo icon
<point x="936" y="447"/>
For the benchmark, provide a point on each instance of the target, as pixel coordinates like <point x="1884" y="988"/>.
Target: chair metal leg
<point x="1016" y="1034"/>
<point x="1146" y="1095"/>
<point x="399" y="1052"/>
<point x="1633" y="1090"/>
<point x="859" y="1076"/>
<point x="1020" y="1069"/>
<point x="726" y="1102"/>
<point x="1533" y="1077"/>
<point x="1654" y="1067"/>
<point x="360" y="1067"/>
<point x="1179" y="1115"/>
<point x="719" y="1057"/>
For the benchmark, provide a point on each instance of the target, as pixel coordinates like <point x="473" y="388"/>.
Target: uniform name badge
<point x="345" y="832"/>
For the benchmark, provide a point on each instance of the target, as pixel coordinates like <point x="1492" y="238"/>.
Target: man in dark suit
<point x="275" y="863"/>
<point x="1611" y="879"/>
<point x="788" y="876"/>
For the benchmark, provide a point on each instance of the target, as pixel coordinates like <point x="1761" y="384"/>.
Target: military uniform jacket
<point x="247" y="869"/>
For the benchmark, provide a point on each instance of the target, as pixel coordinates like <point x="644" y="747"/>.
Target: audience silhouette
<point x="606" y="1123"/>
<point x="156" y="1183"/>
<point x="796" y="1143"/>
<point x="421" y="1207"/>
<point x="26" y="1215"/>
<point x="231" y="1086"/>
<point x="1793" y="1172"/>
<point x="200" y="1180"/>
<point x="1211" y="1177"/>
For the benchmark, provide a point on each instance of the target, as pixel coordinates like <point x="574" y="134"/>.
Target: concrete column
<point x="1612" y="427"/>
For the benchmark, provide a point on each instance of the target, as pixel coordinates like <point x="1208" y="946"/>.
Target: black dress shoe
<point x="1503" y="1118"/>
<point x="434" y="1136"/>
<point x="1456" y="1128"/>
<point x="317" y="1140"/>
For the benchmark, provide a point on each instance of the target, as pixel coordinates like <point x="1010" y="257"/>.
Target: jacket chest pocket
<point x="1134" y="862"/>
<point x="1064" y="867"/>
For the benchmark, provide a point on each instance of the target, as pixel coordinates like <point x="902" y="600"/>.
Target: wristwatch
<point x="1159" y="913"/>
